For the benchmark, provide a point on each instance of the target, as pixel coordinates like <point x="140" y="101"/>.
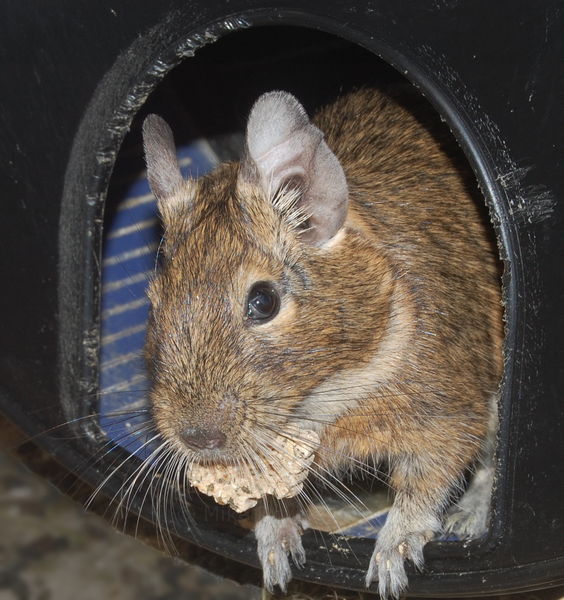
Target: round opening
<point x="206" y="100"/>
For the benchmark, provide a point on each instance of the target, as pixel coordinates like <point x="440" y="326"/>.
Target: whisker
<point x="70" y="423"/>
<point x="114" y="471"/>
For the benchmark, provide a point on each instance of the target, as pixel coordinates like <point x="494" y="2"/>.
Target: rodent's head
<point x="265" y="288"/>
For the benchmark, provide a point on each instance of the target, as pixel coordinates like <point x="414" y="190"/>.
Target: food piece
<point x="241" y="485"/>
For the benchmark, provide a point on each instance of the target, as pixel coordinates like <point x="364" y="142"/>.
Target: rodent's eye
<point x="263" y="302"/>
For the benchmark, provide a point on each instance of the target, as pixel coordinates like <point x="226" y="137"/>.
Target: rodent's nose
<point x="203" y="439"/>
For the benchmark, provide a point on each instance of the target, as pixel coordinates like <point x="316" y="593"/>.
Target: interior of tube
<point x="206" y="100"/>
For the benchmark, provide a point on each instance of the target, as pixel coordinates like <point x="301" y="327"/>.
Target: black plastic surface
<point x="73" y="77"/>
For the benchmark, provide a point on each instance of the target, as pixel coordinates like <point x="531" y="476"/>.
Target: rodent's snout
<point x="208" y="432"/>
<point x="198" y="438"/>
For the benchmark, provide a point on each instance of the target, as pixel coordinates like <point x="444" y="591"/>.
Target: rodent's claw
<point x="278" y="538"/>
<point x="297" y="553"/>
<point x="387" y="565"/>
<point x="388" y="569"/>
<point x="276" y="569"/>
<point x="469" y="517"/>
<point x="465" y="524"/>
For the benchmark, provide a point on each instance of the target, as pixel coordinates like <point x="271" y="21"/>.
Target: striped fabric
<point x="129" y="256"/>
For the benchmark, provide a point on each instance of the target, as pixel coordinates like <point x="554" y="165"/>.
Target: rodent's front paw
<point x="276" y="540"/>
<point x="387" y="565"/>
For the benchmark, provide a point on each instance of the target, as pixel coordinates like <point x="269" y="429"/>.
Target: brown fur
<point x="389" y="337"/>
<point x="420" y="212"/>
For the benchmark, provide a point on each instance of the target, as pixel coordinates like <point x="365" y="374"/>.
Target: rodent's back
<point x="410" y="185"/>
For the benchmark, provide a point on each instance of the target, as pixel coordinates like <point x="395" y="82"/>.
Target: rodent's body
<point x="388" y="337"/>
<point x="416" y="203"/>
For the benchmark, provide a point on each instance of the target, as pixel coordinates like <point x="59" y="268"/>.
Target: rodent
<point x="340" y="277"/>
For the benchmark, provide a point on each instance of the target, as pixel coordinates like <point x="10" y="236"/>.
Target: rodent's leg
<point x="422" y="486"/>
<point x="278" y="529"/>
<point x="468" y="518"/>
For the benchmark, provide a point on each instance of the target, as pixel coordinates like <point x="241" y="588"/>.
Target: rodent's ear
<point x="163" y="171"/>
<point x="288" y="151"/>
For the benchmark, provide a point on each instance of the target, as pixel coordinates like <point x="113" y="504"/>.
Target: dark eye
<point x="263" y="302"/>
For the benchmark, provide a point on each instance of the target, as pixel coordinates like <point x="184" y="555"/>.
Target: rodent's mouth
<point x="208" y="457"/>
<point x="213" y="458"/>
